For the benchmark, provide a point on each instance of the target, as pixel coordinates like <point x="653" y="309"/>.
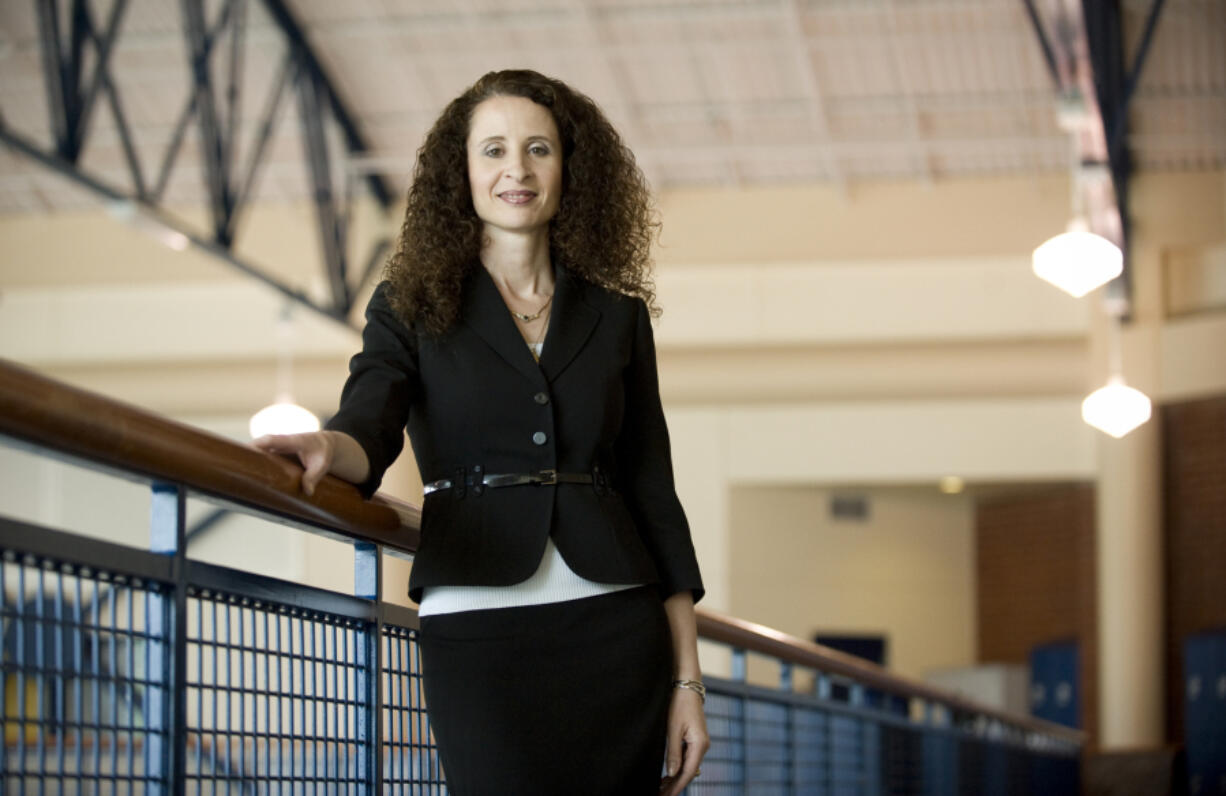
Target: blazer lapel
<point x="570" y="326"/>
<point x="486" y="313"/>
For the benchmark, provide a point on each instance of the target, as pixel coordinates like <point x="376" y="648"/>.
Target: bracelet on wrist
<point x="692" y="685"/>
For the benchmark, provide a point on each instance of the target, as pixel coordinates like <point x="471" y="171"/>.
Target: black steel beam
<point x="1049" y="53"/>
<point x="353" y="136"/>
<point x="234" y="90"/>
<point x="125" y="136"/>
<point x="1115" y="85"/>
<point x="200" y="46"/>
<point x="210" y="246"/>
<point x="70" y="102"/>
<point x="185" y="116"/>
<point x="74" y="69"/>
<point x="53" y="75"/>
<point x="256" y="157"/>
<point x="1104" y="35"/>
<point x="323" y="195"/>
<point x="103" y="46"/>
<point x="1120" y="123"/>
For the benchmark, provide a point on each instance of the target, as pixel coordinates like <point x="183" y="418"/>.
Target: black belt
<point x="475" y="480"/>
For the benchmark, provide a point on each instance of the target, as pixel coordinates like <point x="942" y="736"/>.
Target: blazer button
<point x="541" y="398"/>
<point x="539" y="438"/>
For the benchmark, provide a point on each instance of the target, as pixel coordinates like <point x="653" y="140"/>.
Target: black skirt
<point x="563" y="698"/>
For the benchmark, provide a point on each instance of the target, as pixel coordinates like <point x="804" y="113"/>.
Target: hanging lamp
<point x="1115" y="408"/>
<point x="284" y="416"/>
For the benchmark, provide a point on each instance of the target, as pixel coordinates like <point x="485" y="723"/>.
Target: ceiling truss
<point x="75" y="53"/>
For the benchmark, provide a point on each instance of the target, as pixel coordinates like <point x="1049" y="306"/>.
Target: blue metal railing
<point x="277" y="692"/>
<point x="146" y="672"/>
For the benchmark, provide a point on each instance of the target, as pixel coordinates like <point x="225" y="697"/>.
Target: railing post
<point x="165" y="758"/>
<point x="824" y="689"/>
<point x="368" y="584"/>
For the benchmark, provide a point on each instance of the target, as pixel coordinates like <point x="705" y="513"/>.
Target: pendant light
<point x="1116" y="408"/>
<point x="284" y="416"/>
<point x="1078" y="261"/>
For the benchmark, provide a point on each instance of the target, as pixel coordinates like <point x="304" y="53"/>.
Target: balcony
<point x="145" y="671"/>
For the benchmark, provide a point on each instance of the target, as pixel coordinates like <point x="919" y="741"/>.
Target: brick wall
<point x="1035" y="559"/>
<point x="1036" y="584"/>
<point x="1194" y="446"/>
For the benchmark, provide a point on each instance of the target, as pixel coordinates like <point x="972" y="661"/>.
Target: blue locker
<point x="1054" y="692"/>
<point x="1204" y="679"/>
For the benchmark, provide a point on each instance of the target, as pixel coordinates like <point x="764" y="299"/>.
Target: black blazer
<point x="476" y="396"/>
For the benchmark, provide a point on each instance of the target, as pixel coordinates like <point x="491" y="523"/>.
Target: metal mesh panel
<point x="765" y="746"/>
<point x="724" y="764"/>
<point x="275" y="697"/>
<point x="811" y="745"/>
<point x="902" y="761"/>
<point x="410" y="764"/>
<point x="805" y="745"/>
<point x="972" y="768"/>
<point x="81" y="680"/>
<point x="847" y="755"/>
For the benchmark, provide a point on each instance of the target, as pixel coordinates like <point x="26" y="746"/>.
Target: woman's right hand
<point x="316" y="450"/>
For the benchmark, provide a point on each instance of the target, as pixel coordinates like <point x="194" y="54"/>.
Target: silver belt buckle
<point x="548" y="477"/>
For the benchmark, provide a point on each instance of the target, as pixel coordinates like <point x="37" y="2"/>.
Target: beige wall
<point x="906" y="573"/>
<point x="866" y="445"/>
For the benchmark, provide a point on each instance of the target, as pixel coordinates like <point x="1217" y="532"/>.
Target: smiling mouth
<point x="517" y="197"/>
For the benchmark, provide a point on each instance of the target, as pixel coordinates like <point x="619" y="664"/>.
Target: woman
<point x="556" y="576"/>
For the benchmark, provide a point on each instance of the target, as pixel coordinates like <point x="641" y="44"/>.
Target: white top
<point x="553" y="582"/>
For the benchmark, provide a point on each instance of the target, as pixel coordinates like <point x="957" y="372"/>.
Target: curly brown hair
<point x="603" y="229"/>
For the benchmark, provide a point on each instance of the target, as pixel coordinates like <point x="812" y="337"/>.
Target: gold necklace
<point x="540" y="339"/>
<point x="530" y="317"/>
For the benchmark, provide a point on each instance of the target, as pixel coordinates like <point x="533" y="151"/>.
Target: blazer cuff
<point x="668" y="587"/>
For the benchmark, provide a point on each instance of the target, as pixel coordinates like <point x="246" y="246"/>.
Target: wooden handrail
<point x="773" y="643"/>
<point x="116" y="436"/>
<point x="120" y="437"/>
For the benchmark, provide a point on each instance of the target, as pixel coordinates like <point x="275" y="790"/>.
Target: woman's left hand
<point x="687" y="741"/>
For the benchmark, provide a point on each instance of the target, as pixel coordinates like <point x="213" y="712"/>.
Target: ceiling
<point x="706" y="92"/>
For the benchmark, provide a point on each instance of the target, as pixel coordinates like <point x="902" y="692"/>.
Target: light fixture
<point x="283" y="416"/>
<point x="1116" y="408"/>
<point x="1078" y="261"/>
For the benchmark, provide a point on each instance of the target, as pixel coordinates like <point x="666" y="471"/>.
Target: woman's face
<point x="514" y="164"/>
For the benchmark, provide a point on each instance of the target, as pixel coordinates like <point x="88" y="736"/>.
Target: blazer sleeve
<point x="382" y="385"/>
<point x="645" y="469"/>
